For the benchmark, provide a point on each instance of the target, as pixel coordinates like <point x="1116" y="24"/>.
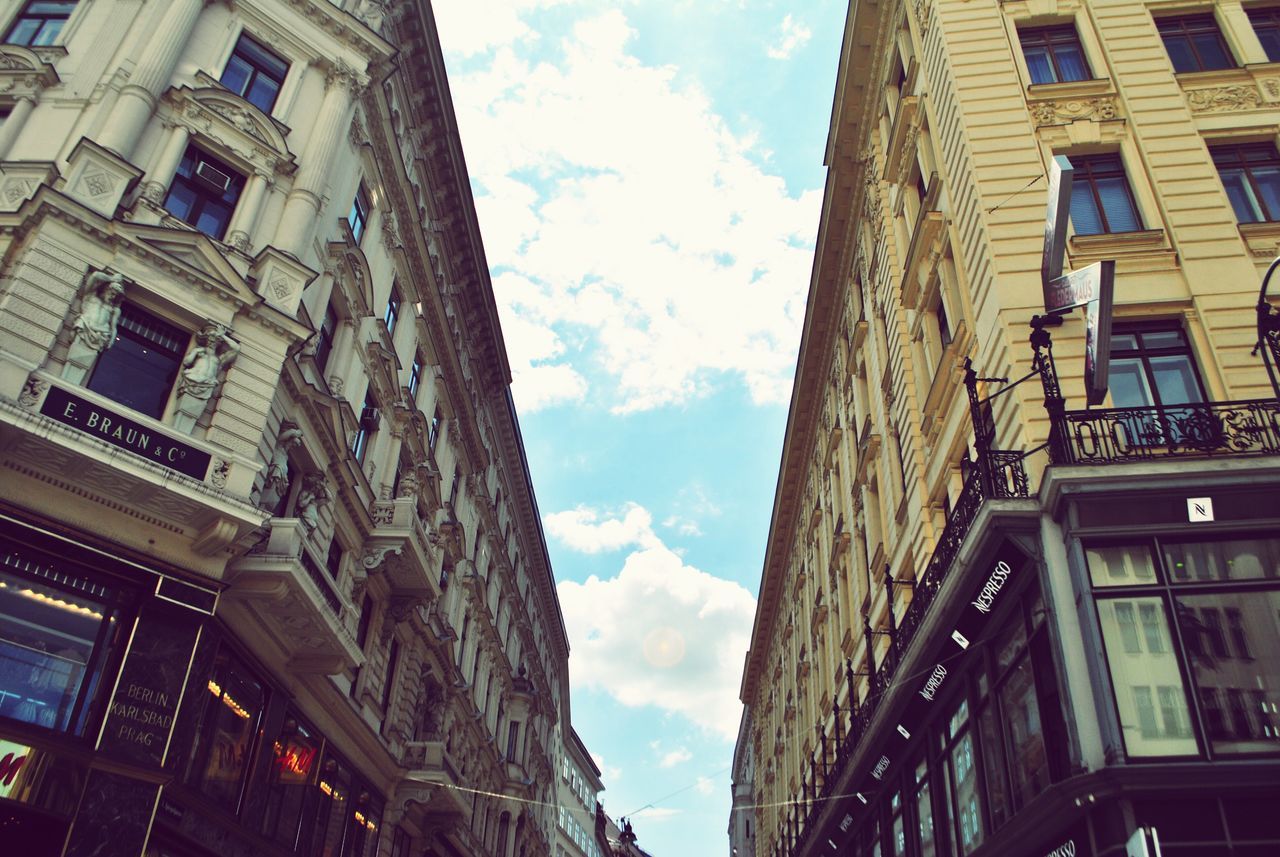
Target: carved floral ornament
<point x="1235" y="97"/>
<point x="233" y="123"/>
<point x="1068" y="111"/>
<point x="23" y="72"/>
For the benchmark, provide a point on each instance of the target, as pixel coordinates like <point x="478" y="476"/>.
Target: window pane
<point x="1148" y="685"/>
<point x="924" y="812"/>
<point x="1176" y="382"/>
<point x="47" y="639"/>
<point x="1237" y="559"/>
<point x="994" y="764"/>
<point x="236" y="75"/>
<point x="228" y="731"/>
<point x="1268" y="180"/>
<point x="263" y="93"/>
<point x="1129" y="387"/>
<point x="1084" y="213"/>
<point x="290" y="778"/>
<point x="1233" y="648"/>
<point x="1071" y="62"/>
<point x="1120" y="565"/>
<point x="1241" y="195"/>
<point x="1121" y="216"/>
<point x="1029" y="760"/>
<point x="1270" y="39"/>
<point x="968" y="808"/>
<point x="1212" y="52"/>
<point x="1181" y="54"/>
<point x="1039" y="65"/>
<point x="135" y="373"/>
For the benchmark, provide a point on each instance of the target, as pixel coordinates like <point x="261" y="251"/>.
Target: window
<point x="255" y="73"/>
<point x="392" y="313"/>
<point x="225" y="733"/>
<point x="1251" y="176"/>
<point x="290" y="786"/>
<point x="1101" y="200"/>
<point x="1194" y="43"/>
<point x="433" y="432"/>
<point x="138" y="369"/>
<point x="366" y="428"/>
<point x="324" y="338"/>
<point x="1152" y="366"/>
<point x="1053" y="54"/>
<point x="204" y="193"/>
<point x="1266" y="23"/>
<point x="55" y="630"/>
<point x="333" y="559"/>
<point x="388" y="686"/>
<point x="358" y="218"/>
<point x="415" y="376"/>
<point x="39" y="23"/>
<point x="1210" y="621"/>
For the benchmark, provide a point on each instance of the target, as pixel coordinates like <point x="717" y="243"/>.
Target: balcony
<point x="402" y="547"/>
<point x="432" y="780"/>
<point x="279" y="594"/>
<point x="1207" y="430"/>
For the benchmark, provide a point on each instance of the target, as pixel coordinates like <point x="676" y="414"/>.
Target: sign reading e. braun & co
<point x="123" y="432"/>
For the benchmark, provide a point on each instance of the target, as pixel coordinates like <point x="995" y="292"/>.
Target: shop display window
<point x="227" y="732"/>
<point x="1192" y="644"/>
<point x="291" y="782"/>
<point x="55" y="629"/>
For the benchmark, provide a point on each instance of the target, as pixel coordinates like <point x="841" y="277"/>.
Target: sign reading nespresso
<point x="120" y="431"/>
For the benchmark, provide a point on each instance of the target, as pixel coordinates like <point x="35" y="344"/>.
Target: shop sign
<point x="1094" y="289"/>
<point x="104" y="424"/>
<point x="294" y="760"/>
<point x="1066" y="849"/>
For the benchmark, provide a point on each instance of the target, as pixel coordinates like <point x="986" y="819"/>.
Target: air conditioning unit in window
<point x="369" y="419"/>
<point x="212" y="176"/>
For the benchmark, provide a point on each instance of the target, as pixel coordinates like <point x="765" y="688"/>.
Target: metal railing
<point x="1203" y="430"/>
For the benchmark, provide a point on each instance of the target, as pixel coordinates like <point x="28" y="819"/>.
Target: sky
<point x="648" y="176"/>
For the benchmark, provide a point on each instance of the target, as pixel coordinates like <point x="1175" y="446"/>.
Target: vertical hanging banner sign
<point x="1094" y="289"/>
<point x="1056" y="218"/>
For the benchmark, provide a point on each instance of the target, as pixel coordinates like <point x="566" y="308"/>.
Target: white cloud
<point x="657" y="813"/>
<point x="704" y="785"/>
<point x="683" y="526"/>
<point x="635" y="233"/>
<point x="678" y="756"/>
<point x="792" y="36"/>
<point x="661" y="632"/>
<point x="582" y="529"/>
<point x="608" y="773"/>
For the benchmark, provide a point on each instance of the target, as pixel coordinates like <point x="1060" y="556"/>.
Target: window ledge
<point x="1262" y="239"/>
<point x="1218" y="75"/>
<point x="1071" y="88"/>
<point x="1146" y="250"/>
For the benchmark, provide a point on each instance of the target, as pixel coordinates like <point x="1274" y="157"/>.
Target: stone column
<point x="150" y="76"/>
<point x="341" y="86"/>
<point x="340" y="357"/>
<point x="166" y="164"/>
<point x="240" y="229"/>
<point x="15" y="122"/>
<point x="1239" y="31"/>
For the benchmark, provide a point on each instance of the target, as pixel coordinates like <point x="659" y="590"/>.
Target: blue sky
<point x="648" y="178"/>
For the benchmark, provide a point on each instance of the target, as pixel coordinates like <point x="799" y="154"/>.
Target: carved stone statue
<point x="213" y="351"/>
<point x="95" y="327"/>
<point x="275" y="487"/>
<point x="313" y="495"/>
<point x="432" y="708"/>
<point x="409" y="483"/>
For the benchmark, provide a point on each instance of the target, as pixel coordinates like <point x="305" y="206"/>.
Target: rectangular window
<point x="1152" y="366"/>
<point x="366" y="427"/>
<point x="324" y="337"/>
<point x="1251" y="176"/>
<point x="204" y="193"/>
<point x="39" y="23"/>
<point x="333" y="560"/>
<point x="290" y="782"/>
<point x="139" y="367"/>
<point x="388" y="686"/>
<point x="415" y="376"/>
<point x="1266" y="23"/>
<point x="1194" y="43"/>
<point x="1053" y="54"/>
<point x="433" y="432"/>
<point x="226" y="731"/>
<point x="255" y="73"/>
<point x="1101" y="200"/>
<point x="55" y="629"/>
<point x="392" y="313"/>
<point x="358" y="218"/>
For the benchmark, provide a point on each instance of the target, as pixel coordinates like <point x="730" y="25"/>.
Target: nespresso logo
<point x="992" y="587"/>
<point x="1067" y="849"/>
<point x="935" y="681"/>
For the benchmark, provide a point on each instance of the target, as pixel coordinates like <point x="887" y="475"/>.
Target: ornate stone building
<point x="578" y="789"/>
<point x="272" y="577"/>
<point x="993" y="620"/>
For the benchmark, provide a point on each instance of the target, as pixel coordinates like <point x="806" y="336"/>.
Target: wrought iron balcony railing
<point x="1205" y="430"/>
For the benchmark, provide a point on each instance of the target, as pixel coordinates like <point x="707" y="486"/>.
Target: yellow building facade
<point x="969" y="574"/>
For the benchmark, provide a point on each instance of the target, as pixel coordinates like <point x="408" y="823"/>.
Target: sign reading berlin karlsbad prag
<point x="1092" y="288"/>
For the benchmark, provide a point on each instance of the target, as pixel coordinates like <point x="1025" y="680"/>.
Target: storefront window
<point x="924" y="813"/>
<point x="294" y="762"/>
<point x="966" y="802"/>
<point x="1227" y="645"/>
<point x="54" y="633"/>
<point x="335" y="804"/>
<point x="226" y="732"/>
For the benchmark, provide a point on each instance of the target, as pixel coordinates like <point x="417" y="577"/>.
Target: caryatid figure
<point x="213" y="351"/>
<point x="95" y="326"/>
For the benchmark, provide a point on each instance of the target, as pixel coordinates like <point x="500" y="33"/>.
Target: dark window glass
<point x="433" y="432"/>
<point x="944" y="326"/>
<point x="924" y="813"/>
<point x="1251" y="176"/>
<point x="324" y="339"/>
<point x="333" y="560"/>
<point x="1152" y="365"/>
<point x="255" y="73"/>
<point x="204" y="193"/>
<point x="415" y="376"/>
<point x="1053" y="54"/>
<point x="1229" y="559"/>
<point x="358" y="217"/>
<point x="55" y="629"/>
<point x="1195" y="43"/>
<point x="226" y="732"/>
<point x="39" y="23"/>
<point x="360" y="445"/>
<point x="1266" y="23"/>
<point x="388" y="686"/>
<point x="1224" y="666"/>
<point x="289" y="782"/>
<point x="392" y="313"/>
<point x="325" y="836"/>
<point x="1101" y="200"/>
<point x="138" y="369"/>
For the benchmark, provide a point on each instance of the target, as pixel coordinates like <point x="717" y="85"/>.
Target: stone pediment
<point x="350" y="270"/>
<point x="225" y="118"/>
<point x="195" y="255"/>
<point x="25" y="70"/>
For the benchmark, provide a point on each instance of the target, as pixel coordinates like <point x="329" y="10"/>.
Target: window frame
<point x="391" y="315"/>
<point x="326" y="335"/>
<point x="143" y="317"/>
<point x="361" y="211"/>
<point x="415" y="376"/>
<point x="256" y="69"/>
<point x="25" y="14"/>
<point x="1167" y="591"/>
<point x="205" y="196"/>
<point x="1241" y="162"/>
<point x="1144" y="355"/>
<point x="1044" y="37"/>
<point x="1266" y="19"/>
<point x="360" y="445"/>
<point x="1088" y="171"/>
<point x="1187" y="27"/>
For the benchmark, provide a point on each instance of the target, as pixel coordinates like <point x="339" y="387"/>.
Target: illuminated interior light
<point x="59" y="603"/>
<point x="228" y="700"/>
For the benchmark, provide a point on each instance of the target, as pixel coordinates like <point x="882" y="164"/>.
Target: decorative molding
<point x="1064" y="112"/>
<point x="1220" y="98"/>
